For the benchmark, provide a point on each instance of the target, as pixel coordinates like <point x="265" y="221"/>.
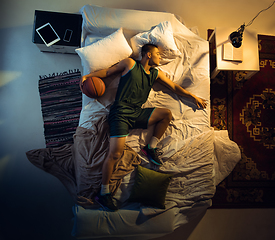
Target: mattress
<point x="198" y="156"/>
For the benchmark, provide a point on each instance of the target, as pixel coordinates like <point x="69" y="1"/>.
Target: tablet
<point x="47" y="34"/>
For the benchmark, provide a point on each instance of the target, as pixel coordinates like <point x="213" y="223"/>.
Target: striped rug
<point x="61" y="102"/>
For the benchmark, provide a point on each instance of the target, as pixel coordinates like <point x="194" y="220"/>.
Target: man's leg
<point x="115" y="152"/>
<point x="161" y="118"/>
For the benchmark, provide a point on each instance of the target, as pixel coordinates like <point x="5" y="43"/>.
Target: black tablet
<point x="47" y="34"/>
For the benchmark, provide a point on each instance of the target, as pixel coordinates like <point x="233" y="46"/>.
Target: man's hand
<point x="201" y="103"/>
<point x="82" y="80"/>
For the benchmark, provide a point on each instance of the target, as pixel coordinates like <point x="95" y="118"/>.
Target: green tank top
<point x="135" y="86"/>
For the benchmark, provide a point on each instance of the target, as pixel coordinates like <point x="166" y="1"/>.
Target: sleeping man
<point x="126" y="113"/>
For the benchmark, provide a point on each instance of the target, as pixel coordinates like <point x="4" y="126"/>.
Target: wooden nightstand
<point x="62" y="23"/>
<point x="250" y="53"/>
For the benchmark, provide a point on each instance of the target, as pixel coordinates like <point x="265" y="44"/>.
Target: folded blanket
<point x="78" y="166"/>
<point x="89" y="152"/>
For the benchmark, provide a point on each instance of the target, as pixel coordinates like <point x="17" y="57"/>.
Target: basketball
<point x="93" y="87"/>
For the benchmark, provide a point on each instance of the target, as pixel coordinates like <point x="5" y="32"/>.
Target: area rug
<point x="246" y="108"/>
<point x="61" y="102"/>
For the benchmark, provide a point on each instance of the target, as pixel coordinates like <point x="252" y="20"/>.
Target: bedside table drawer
<point x="57" y="48"/>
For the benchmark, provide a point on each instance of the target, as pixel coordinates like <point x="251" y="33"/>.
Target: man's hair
<point x="147" y="48"/>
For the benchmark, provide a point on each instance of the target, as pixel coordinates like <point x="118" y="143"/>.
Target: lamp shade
<point x="236" y="39"/>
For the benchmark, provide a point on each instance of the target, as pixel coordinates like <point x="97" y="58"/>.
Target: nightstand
<point x="219" y="39"/>
<point x="62" y="23"/>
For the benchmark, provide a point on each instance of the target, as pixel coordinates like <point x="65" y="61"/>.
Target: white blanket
<point x="199" y="157"/>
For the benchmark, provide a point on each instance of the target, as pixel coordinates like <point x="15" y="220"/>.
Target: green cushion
<point x="150" y="187"/>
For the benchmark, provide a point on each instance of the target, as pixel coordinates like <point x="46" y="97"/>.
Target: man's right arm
<point x="121" y="66"/>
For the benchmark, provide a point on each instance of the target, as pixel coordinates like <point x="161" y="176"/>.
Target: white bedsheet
<point x="199" y="157"/>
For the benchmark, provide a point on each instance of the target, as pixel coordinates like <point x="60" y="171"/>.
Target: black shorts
<point x="124" y="117"/>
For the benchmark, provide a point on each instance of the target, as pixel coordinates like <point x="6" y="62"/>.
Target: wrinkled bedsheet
<point x="198" y="156"/>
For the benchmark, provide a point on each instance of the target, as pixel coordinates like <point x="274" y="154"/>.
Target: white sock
<point x="104" y="189"/>
<point x="153" y="142"/>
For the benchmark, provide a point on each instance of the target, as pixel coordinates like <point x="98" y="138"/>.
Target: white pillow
<point x="162" y="36"/>
<point x="105" y="53"/>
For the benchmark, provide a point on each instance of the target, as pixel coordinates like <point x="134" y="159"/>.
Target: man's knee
<point x="168" y="115"/>
<point x="115" y="155"/>
<point x="160" y="115"/>
<point x="116" y="148"/>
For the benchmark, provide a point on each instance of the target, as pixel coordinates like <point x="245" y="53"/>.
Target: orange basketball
<point x="93" y="87"/>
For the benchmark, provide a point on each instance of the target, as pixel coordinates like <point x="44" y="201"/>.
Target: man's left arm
<point x="201" y="103"/>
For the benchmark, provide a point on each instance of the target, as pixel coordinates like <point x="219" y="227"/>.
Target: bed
<point x="195" y="157"/>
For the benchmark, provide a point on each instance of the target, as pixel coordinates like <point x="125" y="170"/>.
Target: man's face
<point x="155" y="57"/>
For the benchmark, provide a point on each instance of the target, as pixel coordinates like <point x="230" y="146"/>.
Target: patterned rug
<point x="246" y="108"/>
<point x="61" y="102"/>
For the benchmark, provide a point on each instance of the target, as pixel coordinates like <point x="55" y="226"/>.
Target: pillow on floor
<point x="150" y="187"/>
